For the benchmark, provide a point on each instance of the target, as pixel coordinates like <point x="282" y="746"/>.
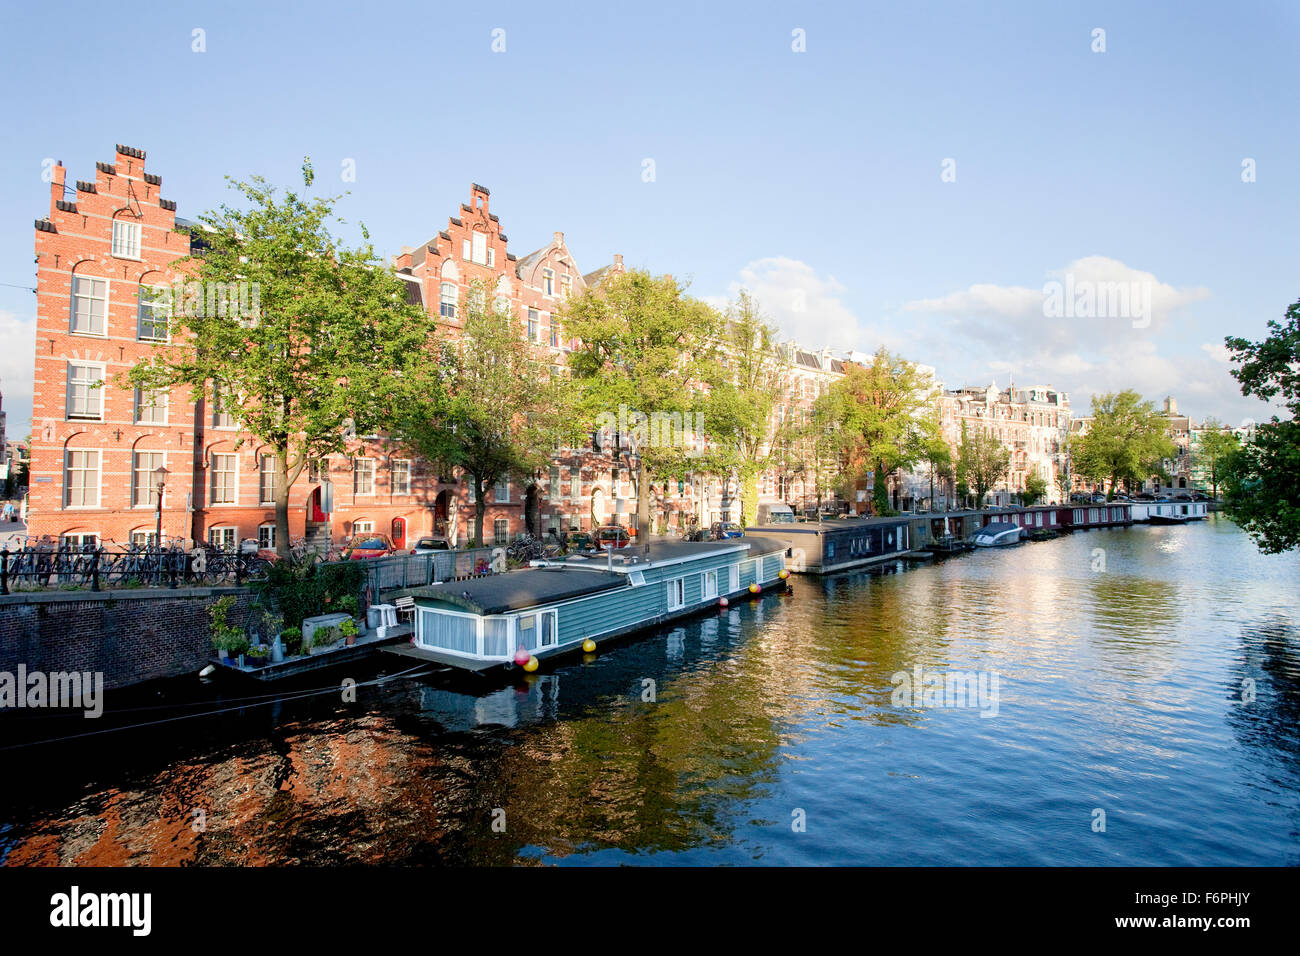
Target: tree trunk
<point x="642" y="500"/>
<point x="749" y="500"/>
<point x="281" y="497"/>
<point x="480" y="489"/>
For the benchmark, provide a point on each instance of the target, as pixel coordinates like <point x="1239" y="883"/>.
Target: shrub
<point x="291" y="638"/>
<point x="299" y="590"/>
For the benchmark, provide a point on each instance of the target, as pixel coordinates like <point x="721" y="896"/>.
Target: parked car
<point x="721" y="530"/>
<point x="368" y="545"/>
<point x="430" y="543"/>
<point x="612" y="537"/>
<point x="579" y="541"/>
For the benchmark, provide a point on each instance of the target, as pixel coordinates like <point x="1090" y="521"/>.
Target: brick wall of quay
<point x="130" y="636"/>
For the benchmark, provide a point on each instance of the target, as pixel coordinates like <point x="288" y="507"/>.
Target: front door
<point x="399" y="533"/>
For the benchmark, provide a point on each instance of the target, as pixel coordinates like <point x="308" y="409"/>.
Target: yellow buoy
<point x="783" y="574"/>
<point x="589" y="645"/>
<point x="754" y="589"/>
<point x="531" y="665"/>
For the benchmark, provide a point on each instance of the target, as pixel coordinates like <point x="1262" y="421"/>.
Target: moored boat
<point x="555" y="606"/>
<point x="997" y="534"/>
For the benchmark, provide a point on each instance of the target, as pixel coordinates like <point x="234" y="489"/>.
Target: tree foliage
<point x="498" y="411"/>
<point x="327" y="353"/>
<point x="982" y="461"/>
<point x="644" y="348"/>
<point x="1213" y="448"/>
<point x="1262" y="489"/>
<point x="748" y="377"/>
<point x="880" y="417"/>
<point x="1126" y="441"/>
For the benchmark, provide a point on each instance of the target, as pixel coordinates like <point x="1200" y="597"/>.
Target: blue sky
<point x="813" y="178"/>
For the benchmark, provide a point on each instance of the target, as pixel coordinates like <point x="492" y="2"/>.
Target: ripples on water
<point x="1119" y="690"/>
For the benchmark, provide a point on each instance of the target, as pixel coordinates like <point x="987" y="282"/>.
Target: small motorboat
<point x="1168" y="519"/>
<point x="997" y="534"/>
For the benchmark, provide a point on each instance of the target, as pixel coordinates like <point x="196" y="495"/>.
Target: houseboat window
<point x="830" y="549"/>
<point x="636" y="578"/>
<point x="452" y="632"/>
<point x="733" y="578"/>
<point x="526" y="632"/>
<point x="676" y="593"/>
<point x="710" y="584"/>
<point x="548" y="627"/>
<point x="496" y="636"/>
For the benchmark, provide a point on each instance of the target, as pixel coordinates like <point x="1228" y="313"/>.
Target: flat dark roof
<point x="515" y="590"/>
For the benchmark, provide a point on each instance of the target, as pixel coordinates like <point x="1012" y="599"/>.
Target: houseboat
<point x="555" y="606"/>
<point x="1175" y="512"/>
<point x="823" y="547"/>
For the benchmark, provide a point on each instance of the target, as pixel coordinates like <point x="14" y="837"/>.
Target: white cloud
<point x="17" y="357"/>
<point x="807" y="306"/>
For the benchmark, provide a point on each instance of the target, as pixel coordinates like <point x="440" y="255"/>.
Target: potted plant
<point x="257" y="655"/>
<point x="292" y="639"/>
<point x="348" y="604"/>
<point x="228" y="639"/>
<point x="349" y="631"/>
<point x="322" y="637"/>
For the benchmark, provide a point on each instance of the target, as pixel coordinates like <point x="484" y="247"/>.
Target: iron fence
<point x="35" y="568"/>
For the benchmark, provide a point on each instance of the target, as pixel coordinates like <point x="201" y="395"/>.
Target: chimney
<point x="559" y="239"/>
<point x="56" y="184"/>
<point x="618" y="261"/>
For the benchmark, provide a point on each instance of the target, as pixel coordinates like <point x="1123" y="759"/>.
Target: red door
<point x="399" y="533"/>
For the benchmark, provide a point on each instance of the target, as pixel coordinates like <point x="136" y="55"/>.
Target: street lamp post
<point x="160" y="482"/>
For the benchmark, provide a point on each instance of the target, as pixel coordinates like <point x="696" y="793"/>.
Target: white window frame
<point x="146" y="307"/>
<point x="142" y="402"/>
<point x="364" y="526"/>
<point x="500" y="534"/>
<point x="357" y="472"/>
<point x="151" y="496"/>
<point x="448" y="299"/>
<point x="501" y="492"/>
<point x="74" y="295"/>
<point x="676" y="593"/>
<point x="91" y="392"/>
<point x="67" y="478"/>
<point x="224" y="531"/>
<point x="265" y="479"/>
<point x="221" y="419"/>
<point x="129" y="245"/>
<point x="548" y="283"/>
<point x="266" y="541"/>
<point x="733" y="578"/>
<point x="478" y="247"/>
<point x="234" y="481"/>
<point x="394" y="471"/>
<point x="709" y="584"/>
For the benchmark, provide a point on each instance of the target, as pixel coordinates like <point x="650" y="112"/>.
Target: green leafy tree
<point x="880" y="415"/>
<point x="1262" y="493"/>
<point x="982" y="461"/>
<point x="320" y="350"/>
<point x="1212" y="449"/>
<point x="748" y="379"/>
<point x="644" y="347"/>
<point x="500" y="413"/>
<point x="1035" y="490"/>
<point x="1127" y="441"/>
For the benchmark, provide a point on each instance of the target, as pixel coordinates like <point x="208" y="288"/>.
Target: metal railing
<point x="37" y="568"/>
<point x="415" y="570"/>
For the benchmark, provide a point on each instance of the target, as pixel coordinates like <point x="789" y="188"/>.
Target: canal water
<point x="1141" y="694"/>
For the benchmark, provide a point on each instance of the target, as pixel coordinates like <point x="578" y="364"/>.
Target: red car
<point x="368" y="546"/>
<point x="612" y="537"/>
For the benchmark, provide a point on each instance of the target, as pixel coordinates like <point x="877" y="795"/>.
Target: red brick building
<point x="97" y="445"/>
